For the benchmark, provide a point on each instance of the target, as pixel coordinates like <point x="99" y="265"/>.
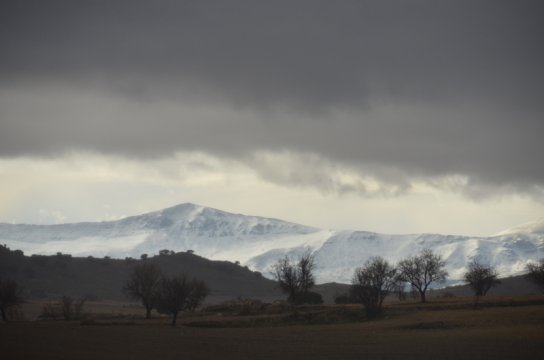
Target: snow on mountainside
<point x="258" y="242"/>
<point x="532" y="227"/>
<point x="212" y="233"/>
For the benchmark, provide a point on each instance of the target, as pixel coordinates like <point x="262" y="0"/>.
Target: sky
<point x="388" y="116"/>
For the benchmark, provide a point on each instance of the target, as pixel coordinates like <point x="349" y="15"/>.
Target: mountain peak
<point x="259" y="242"/>
<point x="180" y="210"/>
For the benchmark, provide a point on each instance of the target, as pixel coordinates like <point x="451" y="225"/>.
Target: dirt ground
<point x="512" y="332"/>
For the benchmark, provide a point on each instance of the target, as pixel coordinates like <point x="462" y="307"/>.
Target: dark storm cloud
<point x="430" y="87"/>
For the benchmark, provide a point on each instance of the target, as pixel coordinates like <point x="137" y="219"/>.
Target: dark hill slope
<point x="103" y="278"/>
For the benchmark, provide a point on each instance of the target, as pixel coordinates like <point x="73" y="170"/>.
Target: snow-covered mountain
<point x="259" y="242"/>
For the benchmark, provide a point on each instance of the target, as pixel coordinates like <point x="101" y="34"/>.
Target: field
<point x="504" y="328"/>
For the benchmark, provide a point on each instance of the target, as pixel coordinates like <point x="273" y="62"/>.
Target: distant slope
<point x="52" y="276"/>
<point x="344" y="251"/>
<point x="46" y="277"/>
<point x="509" y="286"/>
<point x="213" y="233"/>
<point x="259" y="242"/>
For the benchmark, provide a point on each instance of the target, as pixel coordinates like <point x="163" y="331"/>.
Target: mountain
<point x="259" y="242"/>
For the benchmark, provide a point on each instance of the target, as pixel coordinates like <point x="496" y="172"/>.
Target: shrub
<point x="535" y="273"/>
<point x="308" y="297"/>
<point x="343" y="299"/>
<point x="10" y="297"/>
<point x="71" y="308"/>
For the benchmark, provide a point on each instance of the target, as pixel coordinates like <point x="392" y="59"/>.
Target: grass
<point x="441" y="329"/>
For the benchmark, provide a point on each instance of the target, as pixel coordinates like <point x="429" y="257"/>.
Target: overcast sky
<point x="391" y="116"/>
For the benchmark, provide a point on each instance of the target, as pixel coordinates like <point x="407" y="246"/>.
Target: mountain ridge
<point x="258" y="242"/>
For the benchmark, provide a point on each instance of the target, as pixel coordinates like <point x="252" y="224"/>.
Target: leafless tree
<point x="372" y="283"/>
<point x="295" y="279"/>
<point x="481" y="278"/>
<point x="422" y="270"/>
<point x="143" y="284"/>
<point x="535" y="272"/>
<point x="178" y="293"/>
<point x="306" y="265"/>
<point x="10" y="296"/>
<point x="71" y="308"/>
<point x="286" y="275"/>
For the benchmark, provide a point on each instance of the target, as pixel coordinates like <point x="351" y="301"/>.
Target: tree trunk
<point x="174" y="318"/>
<point x="422" y="293"/>
<point x="148" y="312"/>
<point x="477" y="302"/>
<point x="3" y="311"/>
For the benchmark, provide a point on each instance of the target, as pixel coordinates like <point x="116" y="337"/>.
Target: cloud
<point x="308" y="170"/>
<point x="306" y="52"/>
<point x="95" y="187"/>
<point x="423" y="89"/>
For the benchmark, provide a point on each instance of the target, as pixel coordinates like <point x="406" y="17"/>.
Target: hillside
<point x="103" y="278"/>
<point x="509" y="286"/>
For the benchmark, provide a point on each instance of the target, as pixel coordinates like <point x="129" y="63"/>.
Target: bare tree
<point x="481" y="278"/>
<point x="422" y="270"/>
<point x="372" y="283"/>
<point x="180" y="294"/>
<point x="143" y="284"/>
<point x="535" y="272"/>
<point x="71" y="308"/>
<point x="295" y="279"/>
<point x="306" y="265"/>
<point x="10" y="296"/>
<point x="286" y="275"/>
<point x="66" y="307"/>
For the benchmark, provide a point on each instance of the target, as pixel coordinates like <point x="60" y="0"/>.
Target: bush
<point x="535" y="273"/>
<point x="343" y="299"/>
<point x="309" y="297"/>
<point x="10" y="297"/>
<point x="66" y="308"/>
<point x="71" y="309"/>
<point x="50" y="311"/>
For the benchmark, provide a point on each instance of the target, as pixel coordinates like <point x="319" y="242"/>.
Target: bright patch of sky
<point x="93" y="187"/>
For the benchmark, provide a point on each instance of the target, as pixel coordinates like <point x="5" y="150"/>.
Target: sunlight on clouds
<point x="302" y="188"/>
<point x="310" y="170"/>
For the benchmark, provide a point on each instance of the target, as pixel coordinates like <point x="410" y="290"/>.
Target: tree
<point x="422" y="270"/>
<point x="143" y="284"/>
<point x="286" y="276"/>
<point x="535" y="272"/>
<point x="71" y="308"/>
<point x="9" y="297"/>
<point x="306" y="265"/>
<point x="295" y="279"/>
<point x="180" y="294"/>
<point x="372" y="283"/>
<point x="481" y="277"/>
